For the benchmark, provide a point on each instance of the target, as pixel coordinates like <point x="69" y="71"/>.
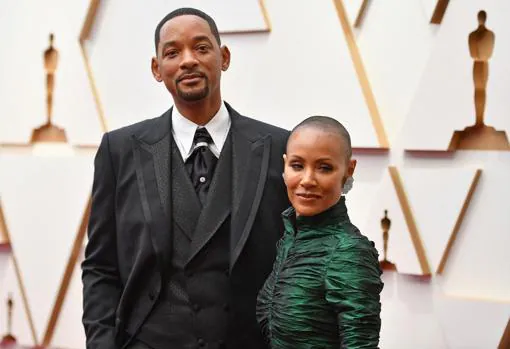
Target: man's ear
<point x="155" y="69"/>
<point x="225" y="58"/>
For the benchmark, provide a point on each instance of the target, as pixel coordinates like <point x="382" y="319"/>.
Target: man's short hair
<point x="327" y="124"/>
<point x="183" y="12"/>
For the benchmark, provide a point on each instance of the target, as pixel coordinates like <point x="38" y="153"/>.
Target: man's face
<point x="189" y="60"/>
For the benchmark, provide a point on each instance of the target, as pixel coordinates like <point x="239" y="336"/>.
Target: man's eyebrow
<point x="168" y="43"/>
<point x="201" y="38"/>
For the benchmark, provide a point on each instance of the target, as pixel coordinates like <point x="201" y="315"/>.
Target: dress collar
<point x="333" y="215"/>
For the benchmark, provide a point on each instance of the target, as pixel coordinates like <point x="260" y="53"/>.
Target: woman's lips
<point x="308" y="196"/>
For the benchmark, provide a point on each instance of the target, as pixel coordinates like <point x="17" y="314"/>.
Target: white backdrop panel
<point x="395" y="49"/>
<point x="44" y="200"/>
<point x="472" y="324"/>
<point x="435" y="220"/>
<point x="294" y="72"/>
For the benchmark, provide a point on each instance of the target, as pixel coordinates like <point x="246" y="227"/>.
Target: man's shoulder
<point x="137" y="127"/>
<point x="259" y="128"/>
<point x="154" y="127"/>
<point x="265" y="127"/>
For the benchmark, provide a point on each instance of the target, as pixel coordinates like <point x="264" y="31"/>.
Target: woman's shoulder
<point x="353" y="249"/>
<point x="350" y="237"/>
<point x="353" y="258"/>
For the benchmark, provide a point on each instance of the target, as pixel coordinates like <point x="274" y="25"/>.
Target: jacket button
<point x="201" y="342"/>
<point x="196" y="307"/>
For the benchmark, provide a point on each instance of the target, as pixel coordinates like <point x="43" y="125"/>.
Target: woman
<point x="324" y="289"/>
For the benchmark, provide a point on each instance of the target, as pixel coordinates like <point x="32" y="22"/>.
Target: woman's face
<point x="315" y="170"/>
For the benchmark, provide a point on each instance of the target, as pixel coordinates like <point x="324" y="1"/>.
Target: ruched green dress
<point x="324" y="290"/>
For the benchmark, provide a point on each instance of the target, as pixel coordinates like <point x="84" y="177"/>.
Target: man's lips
<point x="190" y="77"/>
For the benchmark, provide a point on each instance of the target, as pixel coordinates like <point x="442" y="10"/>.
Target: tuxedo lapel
<point x="218" y="205"/>
<point x="151" y="151"/>
<point x="250" y="155"/>
<point x="186" y="208"/>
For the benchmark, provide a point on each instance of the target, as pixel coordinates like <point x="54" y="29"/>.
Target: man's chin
<point x="193" y="96"/>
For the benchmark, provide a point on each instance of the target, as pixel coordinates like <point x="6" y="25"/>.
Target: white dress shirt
<point x="183" y="131"/>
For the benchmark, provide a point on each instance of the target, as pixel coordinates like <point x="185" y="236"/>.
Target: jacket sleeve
<point x="353" y="287"/>
<point x="100" y="274"/>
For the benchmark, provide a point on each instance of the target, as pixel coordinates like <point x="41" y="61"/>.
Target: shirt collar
<point x="184" y="130"/>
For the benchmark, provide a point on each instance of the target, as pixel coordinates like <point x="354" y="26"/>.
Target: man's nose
<point x="188" y="60"/>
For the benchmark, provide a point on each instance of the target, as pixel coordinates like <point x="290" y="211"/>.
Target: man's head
<point x="185" y="11"/>
<point x="189" y="58"/>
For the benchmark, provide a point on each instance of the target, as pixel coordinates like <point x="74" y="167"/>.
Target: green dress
<point x="324" y="289"/>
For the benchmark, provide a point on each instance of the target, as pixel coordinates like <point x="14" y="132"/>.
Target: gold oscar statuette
<point x="385" y="226"/>
<point x="8" y="338"/>
<point x="49" y="132"/>
<point x="480" y="136"/>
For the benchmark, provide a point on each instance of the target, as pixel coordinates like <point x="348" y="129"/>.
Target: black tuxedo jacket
<point x="128" y="253"/>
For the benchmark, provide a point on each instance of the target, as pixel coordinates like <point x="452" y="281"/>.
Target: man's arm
<point x="100" y="275"/>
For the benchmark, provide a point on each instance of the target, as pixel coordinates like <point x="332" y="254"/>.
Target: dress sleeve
<point x="353" y="285"/>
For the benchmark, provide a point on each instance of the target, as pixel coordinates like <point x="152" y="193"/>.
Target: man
<point x="185" y="209"/>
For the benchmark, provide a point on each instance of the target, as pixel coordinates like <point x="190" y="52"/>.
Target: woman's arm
<point x="353" y="286"/>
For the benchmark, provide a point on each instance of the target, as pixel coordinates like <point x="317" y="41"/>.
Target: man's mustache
<point x="191" y="76"/>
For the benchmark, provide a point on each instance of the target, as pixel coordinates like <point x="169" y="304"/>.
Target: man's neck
<point x="200" y="112"/>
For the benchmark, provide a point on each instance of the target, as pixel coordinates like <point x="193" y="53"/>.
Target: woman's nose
<point x="308" y="179"/>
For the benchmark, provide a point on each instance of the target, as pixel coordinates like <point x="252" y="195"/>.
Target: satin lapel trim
<point x="186" y="206"/>
<point x="218" y="205"/>
<point x="154" y="213"/>
<point x="250" y="164"/>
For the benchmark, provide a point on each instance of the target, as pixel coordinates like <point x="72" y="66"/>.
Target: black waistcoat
<point x="194" y="308"/>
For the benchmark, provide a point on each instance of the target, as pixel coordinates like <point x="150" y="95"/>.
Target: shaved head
<point x="330" y="125"/>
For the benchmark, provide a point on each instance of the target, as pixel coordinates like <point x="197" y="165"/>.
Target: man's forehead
<point x="186" y="24"/>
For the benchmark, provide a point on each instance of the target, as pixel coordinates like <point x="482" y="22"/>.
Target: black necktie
<point x="201" y="163"/>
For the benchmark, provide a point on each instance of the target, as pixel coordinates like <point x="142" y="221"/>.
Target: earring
<point x="347" y="185"/>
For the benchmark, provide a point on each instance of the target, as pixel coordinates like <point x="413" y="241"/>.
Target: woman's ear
<point x="351" y="167"/>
